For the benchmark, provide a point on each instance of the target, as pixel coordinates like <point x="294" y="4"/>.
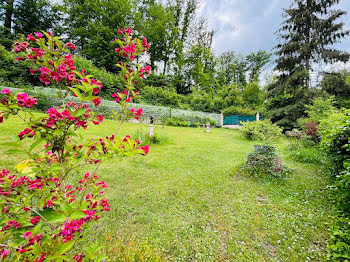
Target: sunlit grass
<point x="187" y="199"/>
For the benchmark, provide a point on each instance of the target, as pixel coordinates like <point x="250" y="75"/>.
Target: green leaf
<point x="80" y="75"/>
<point x="58" y="42"/>
<point x="37" y="142"/>
<point x="77" y="214"/>
<point x="77" y="92"/>
<point x="79" y="112"/>
<point x="53" y="216"/>
<point x="66" y="247"/>
<point x="14" y="151"/>
<point x="10" y="144"/>
<point x="67" y="209"/>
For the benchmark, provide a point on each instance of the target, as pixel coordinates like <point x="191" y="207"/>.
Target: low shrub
<point x="195" y="124"/>
<point x="335" y="141"/>
<point x="306" y="154"/>
<point x="339" y="242"/>
<point x="177" y="121"/>
<point x="145" y="139"/>
<point x="311" y="131"/>
<point x="237" y="110"/>
<point x="264" y="162"/>
<point x="261" y="131"/>
<point x="161" y="96"/>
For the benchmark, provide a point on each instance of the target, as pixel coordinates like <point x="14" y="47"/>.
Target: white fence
<point x="107" y="106"/>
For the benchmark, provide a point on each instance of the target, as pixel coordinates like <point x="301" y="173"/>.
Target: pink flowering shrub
<point x="47" y="202"/>
<point x="129" y="48"/>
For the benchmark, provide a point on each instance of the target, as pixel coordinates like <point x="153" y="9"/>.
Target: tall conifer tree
<point x="306" y="37"/>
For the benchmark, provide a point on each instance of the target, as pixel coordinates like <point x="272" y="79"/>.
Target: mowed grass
<point x="187" y="200"/>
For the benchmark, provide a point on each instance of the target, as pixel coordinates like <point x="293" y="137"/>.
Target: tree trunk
<point x="308" y="73"/>
<point x="8" y="14"/>
<point x="308" y="54"/>
<point x="165" y="65"/>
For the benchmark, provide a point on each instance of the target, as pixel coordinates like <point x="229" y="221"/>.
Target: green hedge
<point x="335" y="141"/>
<point x="261" y="131"/>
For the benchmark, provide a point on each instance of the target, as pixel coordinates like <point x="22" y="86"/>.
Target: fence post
<point x="221" y="120"/>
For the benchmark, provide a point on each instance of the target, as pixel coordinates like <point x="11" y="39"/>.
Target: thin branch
<point x="29" y="209"/>
<point x="120" y="123"/>
<point x="3" y="245"/>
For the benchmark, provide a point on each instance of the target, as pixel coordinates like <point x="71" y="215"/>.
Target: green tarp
<point x="236" y="119"/>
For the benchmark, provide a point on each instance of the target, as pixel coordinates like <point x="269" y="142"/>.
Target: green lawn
<point x="187" y="200"/>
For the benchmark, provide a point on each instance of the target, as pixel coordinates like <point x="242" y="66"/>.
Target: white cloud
<point x="268" y="11"/>
<point x="337" y="66"/>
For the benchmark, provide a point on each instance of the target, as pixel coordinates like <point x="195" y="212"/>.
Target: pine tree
<point x="307" y="34"/>
<point x="306" y="37"/>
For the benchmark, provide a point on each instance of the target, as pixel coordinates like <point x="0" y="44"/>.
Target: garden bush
<point x="306" y="153"/>
<point x="177" y="121"/>
<point x="261" y="131"/>
<point x="14" y="74"/>
<point x="334" y="133"/>
<point x="264" y="162"/>
<point x="47" y="201"/>
<point x="158" y="138"/>
<point x="195" y="124"/>
<point x="110" y="81"/>
<point x="238" y="110"/>
<point x="159" y="96"/>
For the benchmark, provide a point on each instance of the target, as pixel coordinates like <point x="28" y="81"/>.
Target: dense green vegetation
<point x="186" y="72"/>
<point x="188" y="203"/>
<point x="210" y="196"/>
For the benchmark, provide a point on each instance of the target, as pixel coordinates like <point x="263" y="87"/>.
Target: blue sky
<point x="245" y="26"/>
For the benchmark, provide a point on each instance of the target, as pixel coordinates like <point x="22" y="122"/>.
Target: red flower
<point x="6" y="91"/>
<point x="145" y="149"/>
<point x="30" y="37"/>
<point x="44" y="70"/>
<point x="34" y="71"/>
<point x="24" y="250"/>
<point x="27" y="235"/>
<point x="4" y="253"/>
<point x="99" y="119"/>
<point x="18" y="58"/>
<point x="137" y="112"/>
<point x="38" y="35"/>
<point x="71" y="45"/>
<point x="97" y="101"/>
<point x="35" y="220"/>
<point x="24" y="132"/>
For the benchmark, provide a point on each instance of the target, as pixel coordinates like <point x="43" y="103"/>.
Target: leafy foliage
<point x="305" y="152"/>
<point x="335" y="84"/>
<point x="264" y="162"/>
<point x="47" y="203"/>
<point x="177" y="121"/>
<point x="158" y="138"/>
<point x="334" y="133"/>
<point x="261" y="131"/>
